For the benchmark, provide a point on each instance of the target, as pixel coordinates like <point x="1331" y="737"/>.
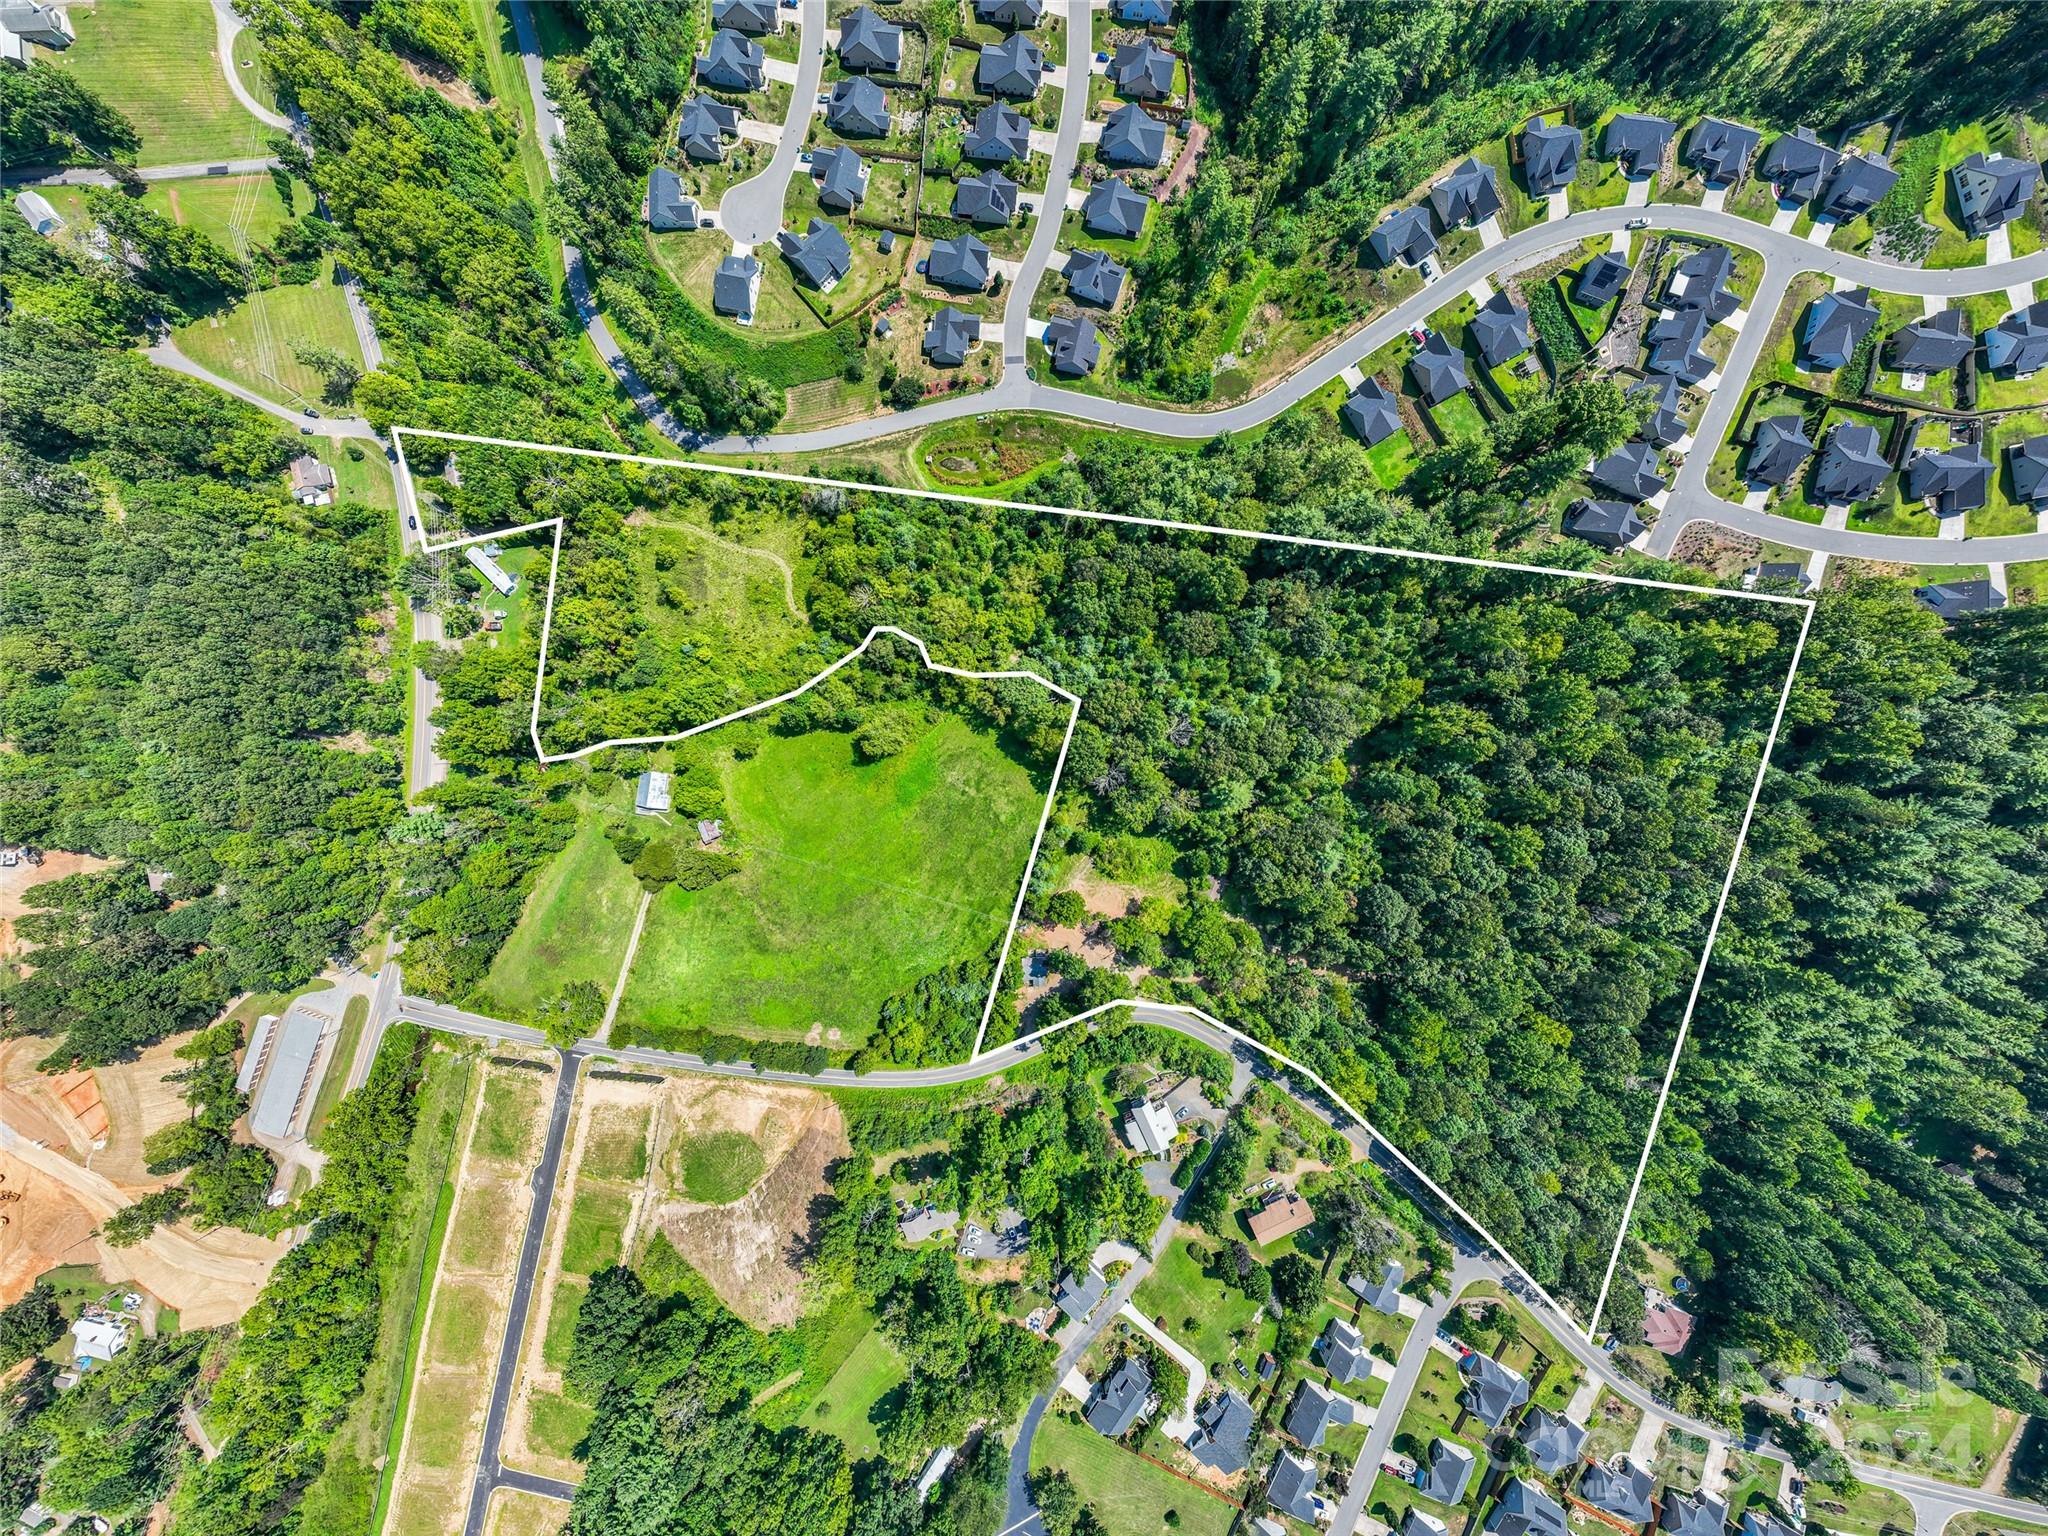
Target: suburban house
<point x="1438" y="368"/>
<point x="1291" y="1488"/>
<point x="736" y="287"/>
<point x="997" y="136"/>
<point x="1952" y="598"/>
<point x="37" y="213"/>
<point x="312" y="482"/>
<point x="1993" y="190"/>
<point x="1133" y="136"/>
<point x="1113" y="210"/>
<point x="1663" y="426"/>
<point x="25" y="24"/>
<point x="1797" y="163"/>
<point x="2018" y="344"/>
<point x="1383" y="1295"/>
<point x="1526" y="1510"/>
<point x="1778" y="450"/>
<point x="668" y="205"/>
<point x="704" y="126"/>
<point x="1314" y="1409"/>
<point x="1836" y="324"/>
<point x="1074" y="344"/>
<point x="2028" y="460"/>
<point x="1550" y="155"/>
<point x="1667" y="1327"/>
<point x="1677" y="345"/>
<point x="842" y="179"/>
<point x="1369" y="411"/>
<point x="1697" y="1513"/>
<point x="1621" y="1489"/>
<point x="1222" y="1434"/>
<point x="501" y="579"/>
<point x="651" y="793"/>
<point x="1553" y="1441"/>
<point x="1492" y="1390"/>
<point x="1852" y="466"/>
<point x="820" y="254"/>
<point x="1500" y="329"/>
<point x="1142" y="71"/>
<point x="1764" y="1522"/>
<point x="1405" y="234"/>
<point x="1149" y="1128"/>
<point x="99" y="1335"/>
<point x="1283" y="1212"/>
<point x="1600" y="280"/>
<point x="751" y="16"/>
<point x="1950" y="480"/>
<point x="733" y="62"/>
<point x="1630" y="471"/>
<point x="961" y="263"/>
<point x="1143" y="13"/>
<point x="921" y="1223"/>
<point x="1700" y="281"/>
<point x="1638" y="141"/>
<point x="1419" y="1522"/>
<point x="1094" y="277"/>
<point x="1119" y="1399"/>
<point x="1858" y="185"/>
<point x="1015" y="14"/>
<point x="868" y="43"/>
<point x="1466" y="196"/>
<point x="858" y="109"/>
<point x="1720" y="150"/>
<point x="1012" y="67"/>
<point x="990" y="198"/>
<point x="1604" y="524"/>
<point x="1934" y="344"/>
<point x="952" y="334"/>
<point x="1341" y="1348"/>
<point x="1444" y="1476"/>
<point x="1078" y="1296"/>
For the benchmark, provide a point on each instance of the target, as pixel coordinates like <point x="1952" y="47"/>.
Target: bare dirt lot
<point x="16" y="882"/>
<point x="101" y="1113"/>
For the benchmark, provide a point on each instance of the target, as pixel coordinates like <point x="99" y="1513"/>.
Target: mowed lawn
<point x="575" y="926"/>
<point x="845" y="1408"/>
<point x="1132" y="1497"/>
<point x="253" y="342"/>
<point x="154" y="61"/>
<point x="857" y="879"/>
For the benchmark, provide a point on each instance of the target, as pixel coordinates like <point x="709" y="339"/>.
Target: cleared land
<point x="253" y="342"/>
<point x="574" y="928"/>
<point x="1132" y="1497"/>
<point x="154" y="61"/>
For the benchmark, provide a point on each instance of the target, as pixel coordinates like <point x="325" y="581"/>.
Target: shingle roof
<point x="961" y="262"/>
<point x="1664" y="425"/>
<point x="1405" y="233"/>
<point x="2029" y="460"/>
<point x="1078" y="1295"/>
<point x="820" y="253"/>
<point x="1292" y="1487"/>
<point x="1607" y="524"/>
<point x="1940" y="341"/>
<point x="1797" y="162"/>
<point x="732" y="285"/>
<point x="1700" y="281"/>
<point x="1094" y="277"/>
<point x="1012" y="67"/>
<point x="668" y="205"/>
<point x="1341" y="1348"/>
<point x="858" y="108"/>
<point x="868" y="42"/>
<point x="1950" y="480"/>
<point x="1439" y="369"/>
<point x="745" y="15"/>
<point x="1314" y="1409"/>
<point x="1492" y="1390"/>
<point x="1622" y="1490"/>
<point x="1143" y="13"/>
<point x="1762" y="1522"/>
<point x="1553" y="1440"/>
<point x="1009" y="13"/>
<point x="1466" y="196"/>
<point x="1858" y="185"/>
<point x="1993" y="190"/>
<point x="1851" y="465"/>
<point x="842" y="178"/>
<point x="1526" y="1510"/>
<point x="1631" y="471"/>
<point x="1222" y="1434"/>
<point x="1949" y="597"/>
<point x="1119" y="1398"/>
<point x="704" y="126"/>
<point x="2019" y="342"/>
<point x="1677" y="345"/>
<point x="1370" y="412"/>
<point x="1383" y="1294"/>
<point x="1443" y="1476"/>
<point x="1133" y="136"/>
<point x="1835" y="324"/>
<point x="1550" y="155"/>
<point x="733" y="62"/>
<point x="1638" y="140"/>
<point x="1073" y="343"/>
<point x="1720" y="149"/>
<point x="1142" y="69"/>
<point x="998" y="135"/>
<point x="1692" y="1514"/>
<point x="1600" y="280"/>
<point x="1112" y="208"/>
<point x="1778" y="450"/>
<point x="1500" y="329"/>
<point x="990" y="198"/>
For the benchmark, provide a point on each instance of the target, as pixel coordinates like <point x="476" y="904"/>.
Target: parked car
<point x="1637" y="224"/>
<point x="312" y="413"/>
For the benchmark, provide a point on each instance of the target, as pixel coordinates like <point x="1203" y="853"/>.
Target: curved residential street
<point x="751" y="210"/>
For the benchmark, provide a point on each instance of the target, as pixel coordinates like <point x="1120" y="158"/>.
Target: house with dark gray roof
<point x="668" y="205"/>
<point x="1119" y="1398"/>
<point x="990" y="198"/>
<point x="1765" y="1522"/>
<point x="820" y="254"/>
<point x="2018" y="344"/>
<point x="998" y="135"/>
<point x="1677" y="345"/>
<point x="1341" y="1348"/>
<point x="1444" y="1474"/>
<point x="1314" y="1409"/>
<point x="1142" y="71"/>
<point x="1664" y="425"/>
<point x="1600" y="280"/>
<point x="1797" y="163"/>
<point x="1438" y="369"/>
<point x="1523" y="1509"/>
<point x="1934" y="344"/>
<point x="753" y="16"/>
<point x="1221" y="1438"/>
<point x="2028" y="460"/>
<point x="1719" y="150"/>
<point x="704" y="126"/>
<point x="1094" y="277"/>
<point x="1697" y="1513"/>
<point x="1132" y="136"/>
<point x="1467" y="195"/>
<point x="1417" y="1522"/>
<point x="1492" y="1390"/>
<point x="1992" y="190"/>
<point x="1500" y="329"/>
<point x="1406" y="234"/>
<point x="1950" y="480"/>
<point x="1078" y="1295"/>
<point x="1014" y="14"/>
<point x="733" y="62"/>
<point x="1074" y="344"/>
<point x="1700" y="281"/>
<point x="1143" y="13"/>
<point x="736" y="287"/>
<point x="1858" y="185"/>
<point x="1951" y="599"/>
<point x="1292" y="1488"/>
<point x="1382" y="1295"/>
<point x="1113" y="210"/>
<point x="1776" y="576"/>
<point x="858" y="109"/>
<point x="1550" y="155"/>
<point x="1013" y="67"/>
<point x="1638" y="141"/>
<point x="842" y="179"/>
<point x="1852" y="466"/>
<point x="960" y="264"/>
<point x="1605" y="525"/>
<point x="1621" y="1489"/>
<point x="1778" y="450"/>
<point x="1553" y="1441"/>
<point x="868" y="43"/>
<point x="1370" y="412"/>
<point x="1630" y="471"/>
<point x="1836" y="324"/>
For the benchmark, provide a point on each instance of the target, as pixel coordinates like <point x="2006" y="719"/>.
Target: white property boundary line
<point x="1805" y="604"/>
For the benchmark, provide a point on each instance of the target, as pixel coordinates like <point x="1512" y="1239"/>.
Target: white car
<point x="1637" y="224"/>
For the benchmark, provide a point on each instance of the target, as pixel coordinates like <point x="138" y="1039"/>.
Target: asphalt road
<point x="227" y="26"/>
<point x="166" y="355"/>
<point x="751" y="210"/>
<point x="1045" y="236"/>
<point x="75" y="176"/>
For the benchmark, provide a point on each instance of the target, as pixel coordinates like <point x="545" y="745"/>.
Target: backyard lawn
<point x="252" y="343"/>
<point x="575" y="926"/>
<point x="1131" y="1497"/>
<point x="1949" y="1432"/>
<point x="1459" y="417"/>
<point x="846" y="1405"/>
<point x="1177" y="1294"/>
<point x="154" y="62"/>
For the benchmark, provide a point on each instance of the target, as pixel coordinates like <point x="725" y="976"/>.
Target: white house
<point x="35" y="209"/>
<point x="1150" y="1128"/>
<point x="312" y="482"/>
<point x="24" y="22"/>
<point x="934" y="1469"/>
<point x="491" y="571"/>
<point x="100" y="1338"/>
<point x="651" y="796"/>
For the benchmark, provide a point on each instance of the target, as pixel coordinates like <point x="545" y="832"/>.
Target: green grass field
<point x="845" y="1406"/>
<point x="557" y="1424"/>
<point x="1177" y="1292"/>
<point x="154" y="61"/>
<point x="1459" y="417"/>
<point x="1948" y="1433"/>
<point x="561" y="1330"/>
<point x="511" y="1112"/>
<point x="1131" y="1497"/>
<point x="252" y="342"/>
<point x="237" y="212"/>
<point x="617" y="1149"/>
<point x="597" y="1227"/>
<point x="456" y="1335"/>
<point x="719" y="1168"/>
<point x="857" y="879"/>
<point x="577" y="920"/>
<point x="353" y="1017"/>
